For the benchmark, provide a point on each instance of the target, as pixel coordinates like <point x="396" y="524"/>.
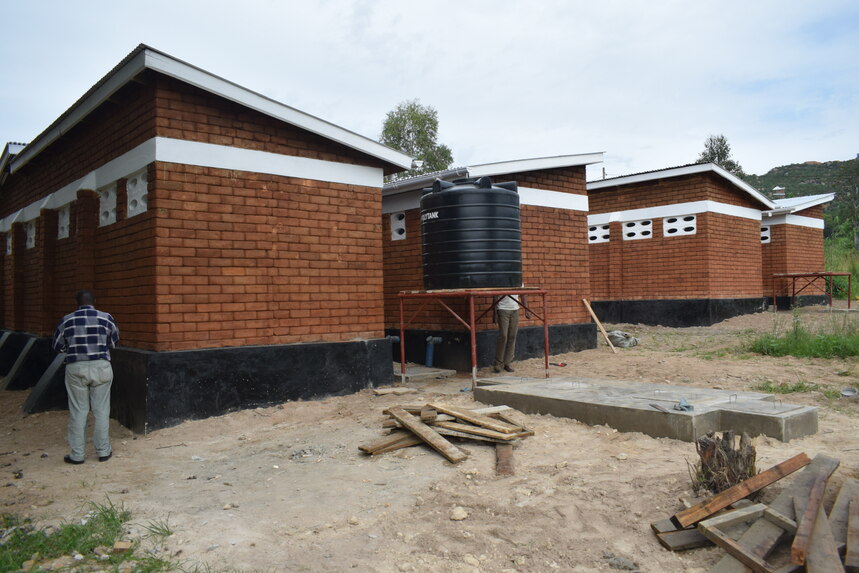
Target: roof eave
<point x="679" y="172"/>
<point x="145" y="57"/>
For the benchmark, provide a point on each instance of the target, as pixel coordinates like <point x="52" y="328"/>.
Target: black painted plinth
<point x="454" y="352"/>
<point x="34" y="364"/>
<point x="675" y="313"/>
<point x="787" y="303"/>
<point x="159" y="389"/>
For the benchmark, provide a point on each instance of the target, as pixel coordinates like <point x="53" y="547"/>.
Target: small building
<point x="554" y="205"/>
<point x="677" y="246"/>
<point x="235" y="239"/>
<point x="792" y="242"/>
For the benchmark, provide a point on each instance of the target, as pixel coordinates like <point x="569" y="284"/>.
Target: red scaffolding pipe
<point x="470" y="324"/>
<point x="829" y="285"/>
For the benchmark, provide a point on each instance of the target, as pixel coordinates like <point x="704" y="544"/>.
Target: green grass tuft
<point x="839" y="340"/>
<point x="785" y="388"/>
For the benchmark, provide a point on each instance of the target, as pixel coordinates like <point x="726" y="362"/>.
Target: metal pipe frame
<point x="829" y="286"/>
<point x="471" y="324"/>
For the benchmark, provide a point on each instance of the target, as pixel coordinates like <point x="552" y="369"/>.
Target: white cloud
<point x="644" y="82"/>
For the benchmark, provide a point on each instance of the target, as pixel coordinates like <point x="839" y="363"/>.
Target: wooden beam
<point x="762" y="537"/>
<point x="386" y="442"/>
<point x="599" y="324"/>
<point x="851" y="559"/>
<point x="743" y="489"/>
<point x="805" y="524"/>
<point x="839" y="514"/>
<point x="427" y="434"/>
<point x="822" y="554"/>
<point x="734" y="549"/>
<point x="504" y="460"/>
<point x="464" y="436"/>
<point x="475" y="430"/>
<point x="735" y="516"/>
<point x="781" y="520"/>
<point x="683" y="539"/>
<point x="477" y="419"/>
<point x="411" y="440"/>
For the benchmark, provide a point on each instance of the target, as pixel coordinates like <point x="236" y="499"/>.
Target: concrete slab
<point x="629" y="407"/>
<point x="418" y="373"/>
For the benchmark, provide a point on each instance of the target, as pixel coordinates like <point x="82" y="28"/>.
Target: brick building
<point x="792" y="242"/>
<point x="236" y="240"/>
<point x="554" y="205"/>
<point x="678" y="246"/>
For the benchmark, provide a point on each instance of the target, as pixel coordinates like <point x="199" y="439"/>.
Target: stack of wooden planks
<point x="749" y="533"/>
<point x="433" y="423"/>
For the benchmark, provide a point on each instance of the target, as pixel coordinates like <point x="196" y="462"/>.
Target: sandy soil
<point x="285" y="488"/>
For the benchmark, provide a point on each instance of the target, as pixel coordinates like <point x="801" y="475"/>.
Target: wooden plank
<point x="851" y="559"/>
<point x="430" y="436"/>
<point x="476" y="430"/>
<point x="734" y="549"/>
<point x="597" y="321"/>
<point x="743" y="489"/>
<point x="664" y="526"/>
<point x="735" y="516"/>
<point x="387" y="441"/>
<point x="411" y="440"/>
<point x="839" y="514"/>
<point x="464" y="436"/>
<point x="822" y="554"/>
<point x="682" y="539"/>
<point x="516" y="418"/>
<point x="504" y="460"/>
<point x="805" y="524"/>
<point x="428" y="415"/>
<point x="762" y="537"/>
<point x="781" y="520"/>
<point x="477" y="419"/>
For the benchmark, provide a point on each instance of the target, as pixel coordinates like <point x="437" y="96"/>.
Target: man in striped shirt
<point x="86" y="336"/>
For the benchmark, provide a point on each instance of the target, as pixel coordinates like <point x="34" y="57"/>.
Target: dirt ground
<point x="285" y="488"/>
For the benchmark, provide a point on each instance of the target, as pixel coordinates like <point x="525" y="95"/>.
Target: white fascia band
<point x="678" y="209"/>
<point x="527" y="196"/>
<point x="797" y="220"/>
<point x="202" y="155"/>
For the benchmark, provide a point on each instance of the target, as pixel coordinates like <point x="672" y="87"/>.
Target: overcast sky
<point x="644" y="82"/>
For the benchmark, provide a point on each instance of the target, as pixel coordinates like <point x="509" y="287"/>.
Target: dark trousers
<point x="508" y="326"/>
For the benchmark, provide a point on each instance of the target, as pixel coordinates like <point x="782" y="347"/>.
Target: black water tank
<point x="471" y="235"/>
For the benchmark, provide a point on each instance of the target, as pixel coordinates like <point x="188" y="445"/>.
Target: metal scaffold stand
<point x="471" y="321"/>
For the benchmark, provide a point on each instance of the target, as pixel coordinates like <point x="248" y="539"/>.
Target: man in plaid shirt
<point x="86" y="336"/>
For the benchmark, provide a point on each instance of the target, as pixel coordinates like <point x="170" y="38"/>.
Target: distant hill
<point x="798" y="179"/>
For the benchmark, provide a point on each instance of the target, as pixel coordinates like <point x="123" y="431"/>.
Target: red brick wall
<point x="793" y="249"/>
<point x="247" y="258"/>
<point x="554" y="257"/>
<point x="221" y="258"/>
<point x="193" y="114"/>
<point x="721" y="260"/>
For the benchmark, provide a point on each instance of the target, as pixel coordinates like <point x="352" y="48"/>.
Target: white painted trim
<point x="522" y="165"/>
<point x="225" y="157"/>
<point x="203" y="155"/>
<point x="676" y="210"/>
<point x="401" y="202"/>
<point x="797" y="220"/>
<point x="679" y="172"/>
<point x="145" y="57"/>
<point x="554" y="199"/>
<point x="527" y="196"/>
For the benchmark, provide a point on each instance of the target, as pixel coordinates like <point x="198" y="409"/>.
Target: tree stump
<point x="723" y="464"/>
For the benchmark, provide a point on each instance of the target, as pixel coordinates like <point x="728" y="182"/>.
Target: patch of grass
<point x="832" y="393"/>
<point x="101" y="527"/>
<point x="784" y="388"/>
<point x="840" y="339"/>
<point x="159" y="528"/>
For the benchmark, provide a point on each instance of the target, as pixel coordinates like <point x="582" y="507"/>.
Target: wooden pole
<point x="599" y="324"/>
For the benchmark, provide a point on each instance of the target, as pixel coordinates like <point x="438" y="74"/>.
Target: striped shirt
<point x="86" y="334"/>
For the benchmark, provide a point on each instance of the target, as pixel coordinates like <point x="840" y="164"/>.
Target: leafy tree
<point x="717" y="150"/>
<point x="844" y="210"/>
<point x="413" y="129"/>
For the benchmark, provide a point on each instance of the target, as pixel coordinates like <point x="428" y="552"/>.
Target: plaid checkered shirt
<point x="86" y="334"/>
